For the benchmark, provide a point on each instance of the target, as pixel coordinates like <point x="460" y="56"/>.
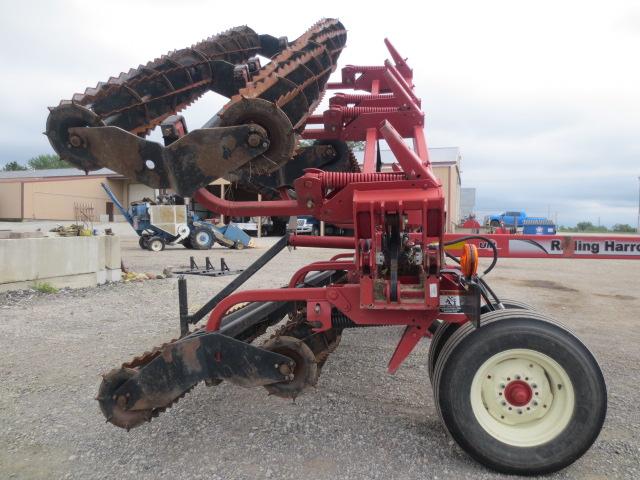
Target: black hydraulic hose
<point x="476" y="237"/>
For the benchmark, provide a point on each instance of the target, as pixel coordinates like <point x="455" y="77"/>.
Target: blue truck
<point x="515" y="219"/>
<point x="508" y="219"/>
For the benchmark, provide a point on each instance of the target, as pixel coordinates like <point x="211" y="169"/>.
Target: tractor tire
<point x="143" y="241"/>
<point x="186" y="243"/>
<point x="156" y="244"/>
<point x="510" y="305"/>
<point x="238" y="246"/>
<point x="521" y="394"/>
<point x="445" y="330"/>
<point x="201" y="238"/>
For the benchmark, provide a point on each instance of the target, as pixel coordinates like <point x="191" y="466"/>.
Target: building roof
<point x="437" y="155"/>
<point x="56" y="172"/>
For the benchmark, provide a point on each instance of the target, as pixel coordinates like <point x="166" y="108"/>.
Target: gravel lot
<point x="359" y="423"/>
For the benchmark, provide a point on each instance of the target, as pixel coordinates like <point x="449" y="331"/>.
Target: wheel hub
<point x="518" y="393"/>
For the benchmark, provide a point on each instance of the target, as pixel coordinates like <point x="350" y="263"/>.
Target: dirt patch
<point x="548" y="284"/>
<point x="616" y="296"/>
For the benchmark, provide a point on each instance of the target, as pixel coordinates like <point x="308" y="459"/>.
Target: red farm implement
<point x="514" y="388"/>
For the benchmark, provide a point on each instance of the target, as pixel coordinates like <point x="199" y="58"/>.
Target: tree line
<point x="589" y="227"/>
<point x="41" y="162"/>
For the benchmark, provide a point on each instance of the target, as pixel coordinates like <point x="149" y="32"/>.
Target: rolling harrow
<point x="514" y="388"/>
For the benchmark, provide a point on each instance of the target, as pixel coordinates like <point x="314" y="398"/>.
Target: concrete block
<point x="101" y="277"/>
<point x="113" y="257"/>
<point x="71" y="281"/>
<point x="113" y="275"/>
<point x="18" y="235"/>
<point x="61" y="261"/>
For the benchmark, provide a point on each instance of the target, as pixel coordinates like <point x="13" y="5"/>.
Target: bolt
<point x="488" y="376"/>
<point x="317" y="308"/>
<point x="254" y="140"/>
<point x="559" y="387"/>
<point x="75" y="140"/>
<point x="265" y="144"/>
<point x="519" y="412"/>
<point x="535" y="404"/>
<point x="502" y="385"/>
<point x="504" y="404"/>
<point x="517" y="377"/>
<point x="276" y="365"/>
<point x="533" y="385"/>
<point x="309" y="203"/>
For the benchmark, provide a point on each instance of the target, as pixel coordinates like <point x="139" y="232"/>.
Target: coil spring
<point x="339" y="321"/>
<point x="351" y="112"/>
<point x="342" y="179"/>
<point x="359" y="97"/>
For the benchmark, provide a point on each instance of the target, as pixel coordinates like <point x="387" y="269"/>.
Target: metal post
<point x="222" y="196"/>
<point x="183" y="306"/>
<point x="260" y="219"/>
<point x="322" y="228"/>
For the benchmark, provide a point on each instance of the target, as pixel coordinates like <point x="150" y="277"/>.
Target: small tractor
<point x="514" y="388"/>
<point x="166" y="223"/>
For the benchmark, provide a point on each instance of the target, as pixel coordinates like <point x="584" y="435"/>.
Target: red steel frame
<point x="391" y="111"/>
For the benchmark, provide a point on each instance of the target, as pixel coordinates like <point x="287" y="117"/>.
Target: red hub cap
<point x="518" y="393"/>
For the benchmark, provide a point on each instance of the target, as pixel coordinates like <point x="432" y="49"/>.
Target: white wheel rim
<point x="522" y="397"/>
<point x="202" y="238"/>
<point x="156" y="246"/>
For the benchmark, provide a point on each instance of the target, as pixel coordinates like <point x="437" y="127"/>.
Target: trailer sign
<point x="556" y="246"/>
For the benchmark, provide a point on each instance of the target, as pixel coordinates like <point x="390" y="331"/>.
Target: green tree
<point x="584" y="226"/>
<point x="44" y="162"/>
<point x="13" y="167"/>
<point x="623" y="228"/>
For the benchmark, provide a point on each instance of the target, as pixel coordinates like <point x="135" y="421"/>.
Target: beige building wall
<point x="138" y="191"/>
<point x="56" y="199"/>
<point x="10" y="204"/>
<point x="449" y="176"/>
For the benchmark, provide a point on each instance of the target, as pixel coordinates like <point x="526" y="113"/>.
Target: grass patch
<point x="44" y="287"/>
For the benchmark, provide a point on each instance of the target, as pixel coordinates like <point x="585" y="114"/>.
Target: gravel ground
<point x="359" y="423"/>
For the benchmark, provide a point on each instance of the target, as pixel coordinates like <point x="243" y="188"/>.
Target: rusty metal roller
<point x="278" y="97"/>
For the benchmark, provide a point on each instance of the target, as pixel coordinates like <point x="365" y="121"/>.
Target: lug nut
<point x="254" y="140"/>
<point x="75" y="141"/>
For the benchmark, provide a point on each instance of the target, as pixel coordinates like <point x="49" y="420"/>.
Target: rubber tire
<point x="468" y="348"/>
<point x="143" y="241"/>
<point x="186" y="243"/>
<point x="445" y="330"/>
<point x="238" y="246"/>
<point x="153" y="241"/>
<point x="510" y="305"/>
<point x="198" y="245"/>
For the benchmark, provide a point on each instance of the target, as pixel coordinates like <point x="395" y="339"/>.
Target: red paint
<point x="518" y="393"/>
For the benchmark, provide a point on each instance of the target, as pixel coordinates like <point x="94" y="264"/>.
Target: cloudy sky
<point x="543" y="98"/>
